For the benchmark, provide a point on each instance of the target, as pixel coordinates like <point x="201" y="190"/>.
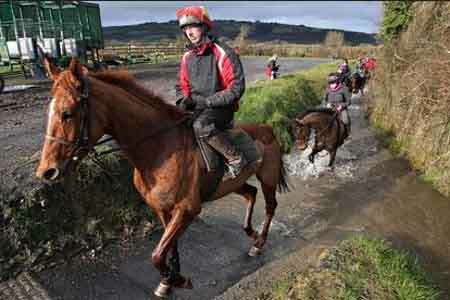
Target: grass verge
<point x="358" y="268"/>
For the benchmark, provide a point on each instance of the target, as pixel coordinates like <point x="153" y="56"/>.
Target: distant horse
<point x="330" y="132"/>
<point x="169" y="173"/>
<point x="345" y="80"/>
<point x="357" y="83"/>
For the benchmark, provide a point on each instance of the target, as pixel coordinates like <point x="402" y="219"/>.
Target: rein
<point x="82" y="142"/>
<point x="158" y="131"/>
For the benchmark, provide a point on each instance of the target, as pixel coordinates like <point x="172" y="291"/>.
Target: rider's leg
<point x="222" y="143"/>
<point x="346" y="120"/>
<point x="205" y="128"/>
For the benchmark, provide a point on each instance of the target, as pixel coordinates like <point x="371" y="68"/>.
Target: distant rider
<point x="272" y="67"/>
<point x="344" y="73"/>
<point x="338" y="97"/>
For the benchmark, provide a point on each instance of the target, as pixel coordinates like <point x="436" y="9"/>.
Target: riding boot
<point x="348" y="128"/>
<point x="236" y="161"/>
<point x="347" y="131"/>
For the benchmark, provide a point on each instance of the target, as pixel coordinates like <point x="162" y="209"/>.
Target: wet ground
<point x="369" y="192"/>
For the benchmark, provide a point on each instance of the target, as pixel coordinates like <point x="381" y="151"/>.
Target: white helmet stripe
<point x="187" y="20"/>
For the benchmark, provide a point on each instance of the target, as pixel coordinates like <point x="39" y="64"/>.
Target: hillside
<point x="259" y="32"/>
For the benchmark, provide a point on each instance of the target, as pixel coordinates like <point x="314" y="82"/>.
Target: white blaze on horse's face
<point x="51" y="113"/>
<point x="61" y="132"/>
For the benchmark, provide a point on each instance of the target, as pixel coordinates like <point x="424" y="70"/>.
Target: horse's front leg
<point x="181" y="218"/>
<point x="313" y="153"/>
<point x="332" y="157"/>
<point x="175" y="277"/>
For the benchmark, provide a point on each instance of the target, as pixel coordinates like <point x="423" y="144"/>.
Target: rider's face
<point x="193" y="32"/>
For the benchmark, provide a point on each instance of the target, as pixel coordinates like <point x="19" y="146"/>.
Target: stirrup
<point x="234" y="169"/>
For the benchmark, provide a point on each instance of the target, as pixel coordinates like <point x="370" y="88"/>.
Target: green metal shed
<point x="61" y="27"/>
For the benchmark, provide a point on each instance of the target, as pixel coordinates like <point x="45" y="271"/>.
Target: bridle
<point x="328" y="127"/>
<point x="81" y="143"/>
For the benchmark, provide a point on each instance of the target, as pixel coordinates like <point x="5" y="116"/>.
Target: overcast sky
<point x="362" y="16"/>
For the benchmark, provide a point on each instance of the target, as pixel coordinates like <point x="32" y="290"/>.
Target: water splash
<point x="298" y="164"/>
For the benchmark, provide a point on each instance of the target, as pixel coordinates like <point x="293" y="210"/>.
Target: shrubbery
<point x="411" y="94"/>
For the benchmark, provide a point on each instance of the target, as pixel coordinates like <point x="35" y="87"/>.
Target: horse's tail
<point x="283" y="185"/>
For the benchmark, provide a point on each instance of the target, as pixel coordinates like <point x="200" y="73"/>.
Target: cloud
<point x="348" y="15"/>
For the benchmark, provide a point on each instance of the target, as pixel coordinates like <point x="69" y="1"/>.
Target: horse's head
<point x="71" y="129"/>
<point x="356" y="82"/>
<point x="300" y="133"/>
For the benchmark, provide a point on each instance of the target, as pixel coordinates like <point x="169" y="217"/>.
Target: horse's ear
<point x="77" y="69"/>
<point x="299" y="122"/>
<point x="52" y="70"/>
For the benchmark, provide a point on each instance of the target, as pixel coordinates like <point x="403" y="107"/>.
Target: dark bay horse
<point x="357" y="83"/>
<point x="330" y="132"/>
<point x="169" y="171"/>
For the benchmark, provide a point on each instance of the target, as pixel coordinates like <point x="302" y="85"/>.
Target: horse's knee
<point x="192" y="211"/>
<point x="157" y="258"/>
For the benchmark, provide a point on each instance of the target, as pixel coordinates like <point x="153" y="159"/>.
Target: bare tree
<point x="334" y="41"/>
<point x="241" y="39"/>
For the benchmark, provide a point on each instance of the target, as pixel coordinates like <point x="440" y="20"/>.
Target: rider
<point x="359" y="68"/>
<point x="344" y="72"/>
<point x="338" y="97"/>
<point x="272" y="64"/>
<point x="211" y="82"/>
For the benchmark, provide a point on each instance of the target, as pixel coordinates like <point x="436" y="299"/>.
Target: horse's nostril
<point x="51" y="174"/>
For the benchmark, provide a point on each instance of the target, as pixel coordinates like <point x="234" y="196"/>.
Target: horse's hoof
<point x="254" y="251"/>
<point x="183" y="283"/>
<point x="162" y="291"/>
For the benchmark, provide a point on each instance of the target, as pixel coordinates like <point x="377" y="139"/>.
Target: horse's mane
<point x="325" y="110"/>
<point x="127" y="82"/>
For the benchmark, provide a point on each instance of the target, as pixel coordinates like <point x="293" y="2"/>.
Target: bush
<point x="397" y="15"/>
<point x="411" y="98"/>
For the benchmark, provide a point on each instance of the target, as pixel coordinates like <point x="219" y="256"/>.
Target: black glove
<point x="201" y="103"/>
<point x="186" y="103"/>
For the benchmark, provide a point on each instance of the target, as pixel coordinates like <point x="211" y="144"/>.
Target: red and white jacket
<point x="212" y="71"/>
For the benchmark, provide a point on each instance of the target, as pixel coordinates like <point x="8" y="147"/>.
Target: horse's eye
<point x="66" y="115"/>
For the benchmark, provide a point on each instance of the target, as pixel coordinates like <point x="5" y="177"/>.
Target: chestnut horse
<point x="169" y="171"/>
<point x="330" y="132"/>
